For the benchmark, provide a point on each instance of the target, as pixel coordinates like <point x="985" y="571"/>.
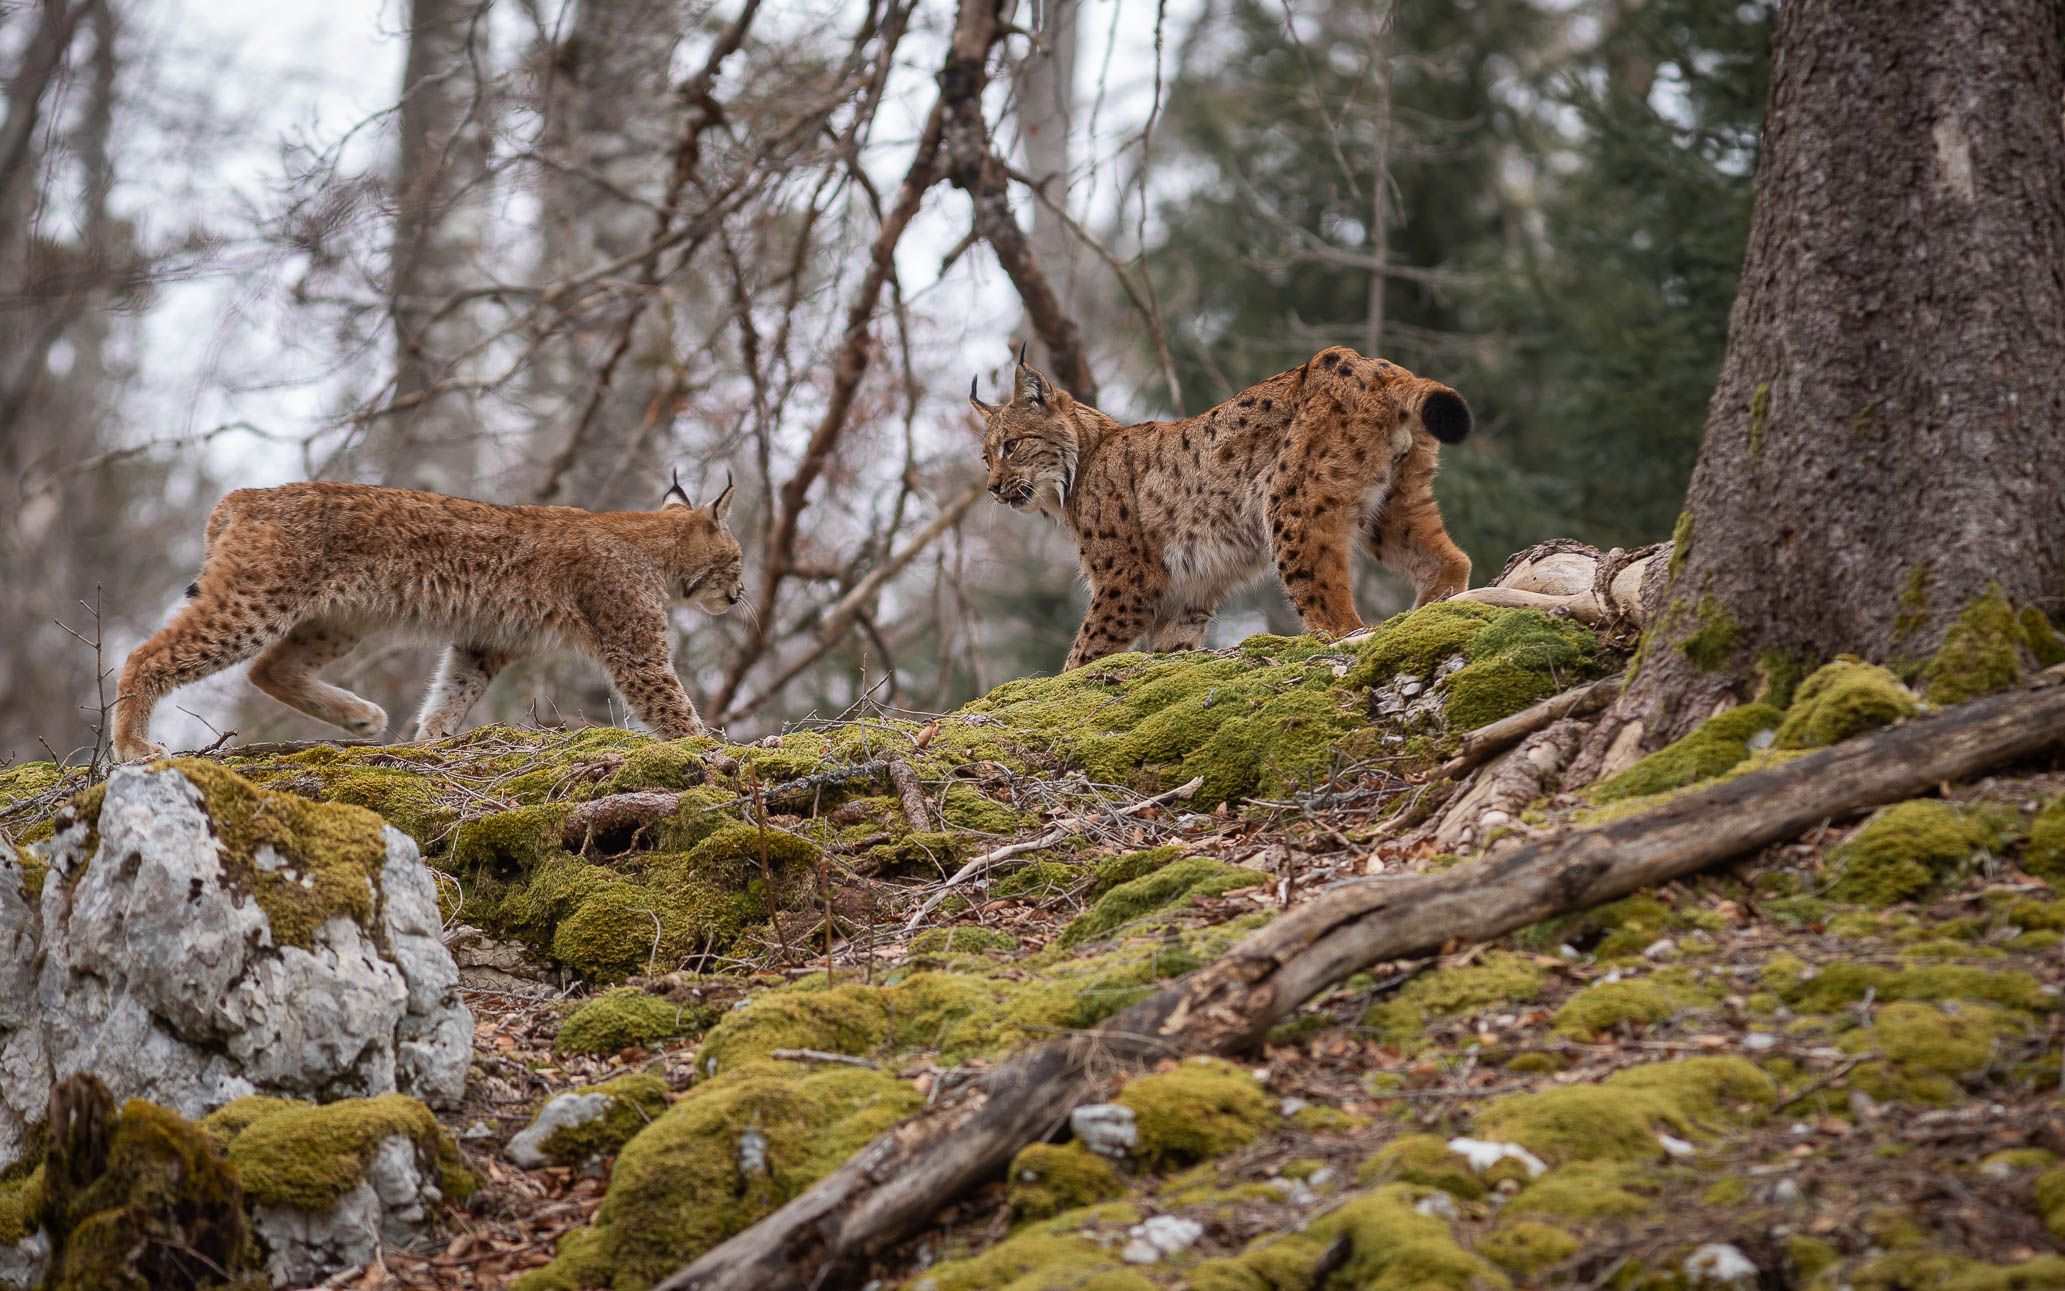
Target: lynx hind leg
<point x="1407" y="535"/>
<point x="210" y="632"/>
<point x="287" y="672"/>
<point x="462" y="678"/>
<point x="1312" y="538"/>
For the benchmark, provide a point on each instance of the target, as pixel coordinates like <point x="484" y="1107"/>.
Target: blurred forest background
<point x="548" y="250"/>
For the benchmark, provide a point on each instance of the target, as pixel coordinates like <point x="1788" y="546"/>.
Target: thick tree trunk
<point x="439" y="223"/>
<point x="1883" y="444"/>
<point x="1046" y="77"/>
<point x="611" y="121"/>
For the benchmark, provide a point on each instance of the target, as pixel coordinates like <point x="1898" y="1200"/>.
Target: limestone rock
<point x="392" y="1203"/>
<point x="152" y="962"/>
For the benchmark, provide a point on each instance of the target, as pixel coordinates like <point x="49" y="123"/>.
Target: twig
<point x="1058" y="833"/>
<point x="1503" y="734"/>
<point x="907" y="788"/>
<point x="819" y="1055"/>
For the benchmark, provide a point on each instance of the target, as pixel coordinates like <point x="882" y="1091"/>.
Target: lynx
<point x="298" y="575"/>
<point x="1170" y="517"/>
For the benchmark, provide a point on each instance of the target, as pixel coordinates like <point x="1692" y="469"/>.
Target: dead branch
<point x="1486" y="741"/>
<point x="896" y="1184"/>
<point x="913" y="795"/>
<point x="617" y="815"/>
<point x="1060" y="832"/>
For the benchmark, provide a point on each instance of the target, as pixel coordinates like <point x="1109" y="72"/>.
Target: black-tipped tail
<point x="1445" y="416"/>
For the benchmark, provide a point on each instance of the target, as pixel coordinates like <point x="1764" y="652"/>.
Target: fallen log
<point x="894" y="1186"/>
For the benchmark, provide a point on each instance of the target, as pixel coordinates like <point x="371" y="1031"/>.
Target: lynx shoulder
<point x="1171" y="517"/>
<point x="298" y="575"/>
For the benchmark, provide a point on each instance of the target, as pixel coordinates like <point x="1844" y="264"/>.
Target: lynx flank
<point x="300" y="574"/>
<point x="1170" y="517"/>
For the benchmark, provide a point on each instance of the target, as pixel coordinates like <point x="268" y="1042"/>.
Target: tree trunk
<point x="439" y="224"/>
<point x="1882" y="448"/>
<point x="1046" y="114"/>
<point x="611" y="121"/>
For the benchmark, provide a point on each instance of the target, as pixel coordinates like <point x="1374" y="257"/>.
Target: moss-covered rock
<point x="1424" y="1159"/>
<point x="1528" y="1248"/>
<point x="1202" y="1109"/>
<point x="1589" y="1190"/>
<point x="1608" y="1006"/>
<point x="306" y="1156"/>
<point x="728" y="1152"/>
<point x="1619" y="1118"/>
<point x="1046" y="1179"/>
<point x="963" y="939"/>
<point x="595" y="1122"/>
<point x="1936" y="1271"/>
<point x="1074" y="1251"/>
<point x="2045" y="854"/>
<point x="1715" y="746"/>
<point x="2049" y="1194"/>
<point x="1906" y="849"/>
<point x="1985" y="650"/>
<point x="1388" y="1245"/>
<point x="1174" y="884"/>
<point x="1843" y="698"/>
<point x="623" y="1018"/>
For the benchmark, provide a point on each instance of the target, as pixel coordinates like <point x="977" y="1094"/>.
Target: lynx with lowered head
<point x="1172" y="516"/>
<point x="298" y="575"/>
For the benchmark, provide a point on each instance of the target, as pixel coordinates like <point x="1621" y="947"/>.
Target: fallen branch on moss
<point x="1503" y="734"/>
<point x="895" y="1185"/>
<point x="1060" y="832"/>
<point x="615" y="816"/>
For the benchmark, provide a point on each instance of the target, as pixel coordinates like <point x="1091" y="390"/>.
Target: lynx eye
<point x="1011" y="445"/>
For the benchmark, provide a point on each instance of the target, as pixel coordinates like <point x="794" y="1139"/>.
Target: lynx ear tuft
<point x="722" y="506"/>
<point x="975" y="400"/>
<point x="1022" y="347"/>
<point x="1032" y="387"/>
<point x="676" y="495"/>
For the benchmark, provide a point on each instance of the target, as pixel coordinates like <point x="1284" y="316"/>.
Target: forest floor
<point x="1835" y="1062"/>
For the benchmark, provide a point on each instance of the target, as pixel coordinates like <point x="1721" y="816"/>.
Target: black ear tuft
<point x="676" y="495"/>
<point x="971" y="389"/>
<point x="1022" y="346"/>
<point x="1445" y="416"/>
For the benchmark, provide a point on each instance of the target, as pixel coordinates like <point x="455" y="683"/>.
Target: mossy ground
<point x="1854" y="1082"/>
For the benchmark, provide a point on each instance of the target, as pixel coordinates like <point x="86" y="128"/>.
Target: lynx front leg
<point x="287" y="673"/>
<point x="462" y="678"/>
<point x="644" y="676"/>
<point x="1118" y="614"/>
<point x="210" y="633"/>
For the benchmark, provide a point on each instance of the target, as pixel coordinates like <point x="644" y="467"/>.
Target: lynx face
<point x="715" y="581"/>
<point x="1030" y="448"/>
<point x="723" y="585"/>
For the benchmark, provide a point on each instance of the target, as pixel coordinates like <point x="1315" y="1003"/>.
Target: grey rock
<point x="1151" y="1239"/>
<point x="144" y="965"/>
<point x="1106" y="1129"/>
<point x="562" y="1112"/>
<point x="391" y="1204"/>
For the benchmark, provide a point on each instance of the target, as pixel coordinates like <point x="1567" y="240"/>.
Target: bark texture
<point x="1882" y="444"/>
<point x="440" y="219"/>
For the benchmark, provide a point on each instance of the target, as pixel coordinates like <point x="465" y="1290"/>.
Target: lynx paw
<point x="368" y="721"/>
<point x="137" y="751"/>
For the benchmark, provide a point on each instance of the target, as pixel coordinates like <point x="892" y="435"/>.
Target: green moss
<point x="404" y="796"/>
<point x="662" y="764"/>
<point x="2049" y="1193"/>
<point x="1922" y="1038"/>
<point x="1713" y="638"/>
<point x="1586" y="1190"/>
<point x="1681" y="544"/>
<point x="1811" y="1256"/>
<point x="1832" y="987"/>
<point x="1905" y="850"/>
<point x="1618" y="1119"/>
<point x="1499" y="979"/>
<point x="1422" y="1159"/>
<point x="307" y="1156"/>
<point x="965" y="807"/>
<point x="1981" y="653"/>
<point x="1609" y="1006"/>
<point x="2045" y="854"/>
<point x="621" y="1019"/>
<point x="1037" y="880"/>
<point x="1202" y="1109"/>
<point x="1713" y="747"/>
<point x="1134" y="865"/>
<point x="2040" y="638"/>
<point x="1731" y="1191"/>
<point x="145" y="1203"/>
<point x="1844" y="698"/>
<point x="21" y="1206"/>
<point x="690" y="1179"/>
<point x="963" y="939"/>
<point x="1046" y="1179"/>
<point x="509" y="841"/>
<point x="851" y="1019"/>
<point x="1061" y="1254"/>
<point x="1528" y="1248"/>
<point x="1174" y="884"/>
<point x="1376" y="1242"/>
<point x="303" y="863"/>
<point x="1931" y="1271"/>
<point x="635" y="1101"/>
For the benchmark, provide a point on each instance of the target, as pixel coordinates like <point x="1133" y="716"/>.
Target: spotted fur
<point x="1171" y="517"/>
<point x="299" y="575"/>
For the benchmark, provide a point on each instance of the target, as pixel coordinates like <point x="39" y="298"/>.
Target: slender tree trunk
<point x="439" y="226"/>
<point x="611" y="121"/>
<point x="1046" y="114"/>
<point x="1380" y="189"/>
<point x="1883" y="446"/>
